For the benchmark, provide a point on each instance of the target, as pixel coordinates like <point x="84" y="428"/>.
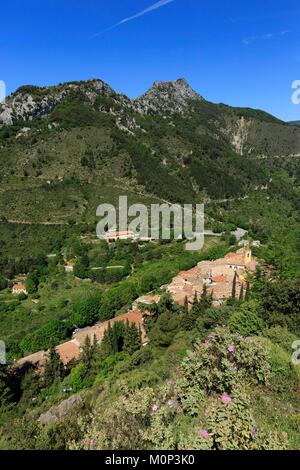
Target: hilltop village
<point x="218" y="278"/>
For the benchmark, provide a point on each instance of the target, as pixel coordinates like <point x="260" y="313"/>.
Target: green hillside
<point x="209" y="378"/>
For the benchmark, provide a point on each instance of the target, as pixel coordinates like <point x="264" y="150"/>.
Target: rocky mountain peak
<point x="166" y="97"/>
<point x="33" y="102"/>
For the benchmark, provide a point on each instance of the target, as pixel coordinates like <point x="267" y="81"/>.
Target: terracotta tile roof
<point x="68" y="351"/>
<point x="134" y="316"/>
<point x="37" y="359"/>
<point x="218" y="279"/>
<point x="221" y="291"/>
<point x="19" y="287"/>
<point x="71" y="350"/>
<point x="235" y="259"/>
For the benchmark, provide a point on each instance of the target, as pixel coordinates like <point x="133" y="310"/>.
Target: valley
<point x="213" y="351"/>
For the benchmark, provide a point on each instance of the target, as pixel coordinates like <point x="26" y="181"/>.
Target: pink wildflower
<point x="155" y="408"/>
<point x="226" y="399"/>
<point x="204" y="434"/>
<point x="231" y="349"/>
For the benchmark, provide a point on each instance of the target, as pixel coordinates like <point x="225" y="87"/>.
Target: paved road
<point x="239" y="233"/>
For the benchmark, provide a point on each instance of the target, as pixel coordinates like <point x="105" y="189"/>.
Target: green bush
<point x="218" y="365"/>
<point x="231" y="426"/>
<point x="76" y="380"/>
<point x="283" y="372"/>
<point x="86" y="311"/>
<point x="281" y="336"/>
<point x="54" y="332"/>
<point x="281" y="305"/>
<point x="246" y="321"/>
<point x="3" y="283"/>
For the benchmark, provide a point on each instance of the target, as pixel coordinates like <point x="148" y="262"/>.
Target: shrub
<point x="131" y="412"/>
<point x="165" y="329"/>
<point x="3" y="283"/>
<point x="283" y="372"/>
<point x="76" y="380"/>
<point x="281" y="336"/>
<point x="281" y="305"/>
<point x="218" y="365"/>
<point x="229" y="425"/>
<point x="86" y="311"/>
<point x="141" y="357"/>
<point x="246" y="321"/>
<point x="53" y="332"/>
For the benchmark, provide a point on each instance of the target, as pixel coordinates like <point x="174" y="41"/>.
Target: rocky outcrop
<point x="63" y="409"/>
<point x="29" y="103"/>
<point x="166" y="97"/>
<point x="248" y="132"/>
<point x="238" y="133"/>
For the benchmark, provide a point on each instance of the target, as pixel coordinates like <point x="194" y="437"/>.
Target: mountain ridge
<point x="70" y="146"/>
<point x="162" y="96"/>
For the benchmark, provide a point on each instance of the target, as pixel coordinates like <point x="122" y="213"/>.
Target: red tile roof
<point x="218" y="279"/>
<point x="19" y="287"/>
<point x="37" y="359"/>
<point x="134" y="316"/>
<point x="68" y="351"/>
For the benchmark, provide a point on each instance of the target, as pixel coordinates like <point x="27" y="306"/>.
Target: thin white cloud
<point x="153" y="7"/>
<point x="251" y="39"/>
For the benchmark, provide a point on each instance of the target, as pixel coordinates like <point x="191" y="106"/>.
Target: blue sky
<point x="240" y="52"/>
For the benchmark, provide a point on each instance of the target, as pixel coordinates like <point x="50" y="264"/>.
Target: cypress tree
<point x="114" y="338"/>
<point x="204" y="294"/>
<point x="247" y="292"/>
<point x="233" y="295"/>
<point x="54" y="368"/>
<point x="105" y="347"/>
<point x="186" y="306"/>
<point x="87" y="354"/>
<point x="132" y="340"/>
<point x="196" y="301"/>
<point x="206" y="300"/>
<point x="241" y="294"/>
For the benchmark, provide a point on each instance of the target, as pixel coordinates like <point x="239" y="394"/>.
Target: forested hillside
<point x="210" y="378"/>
